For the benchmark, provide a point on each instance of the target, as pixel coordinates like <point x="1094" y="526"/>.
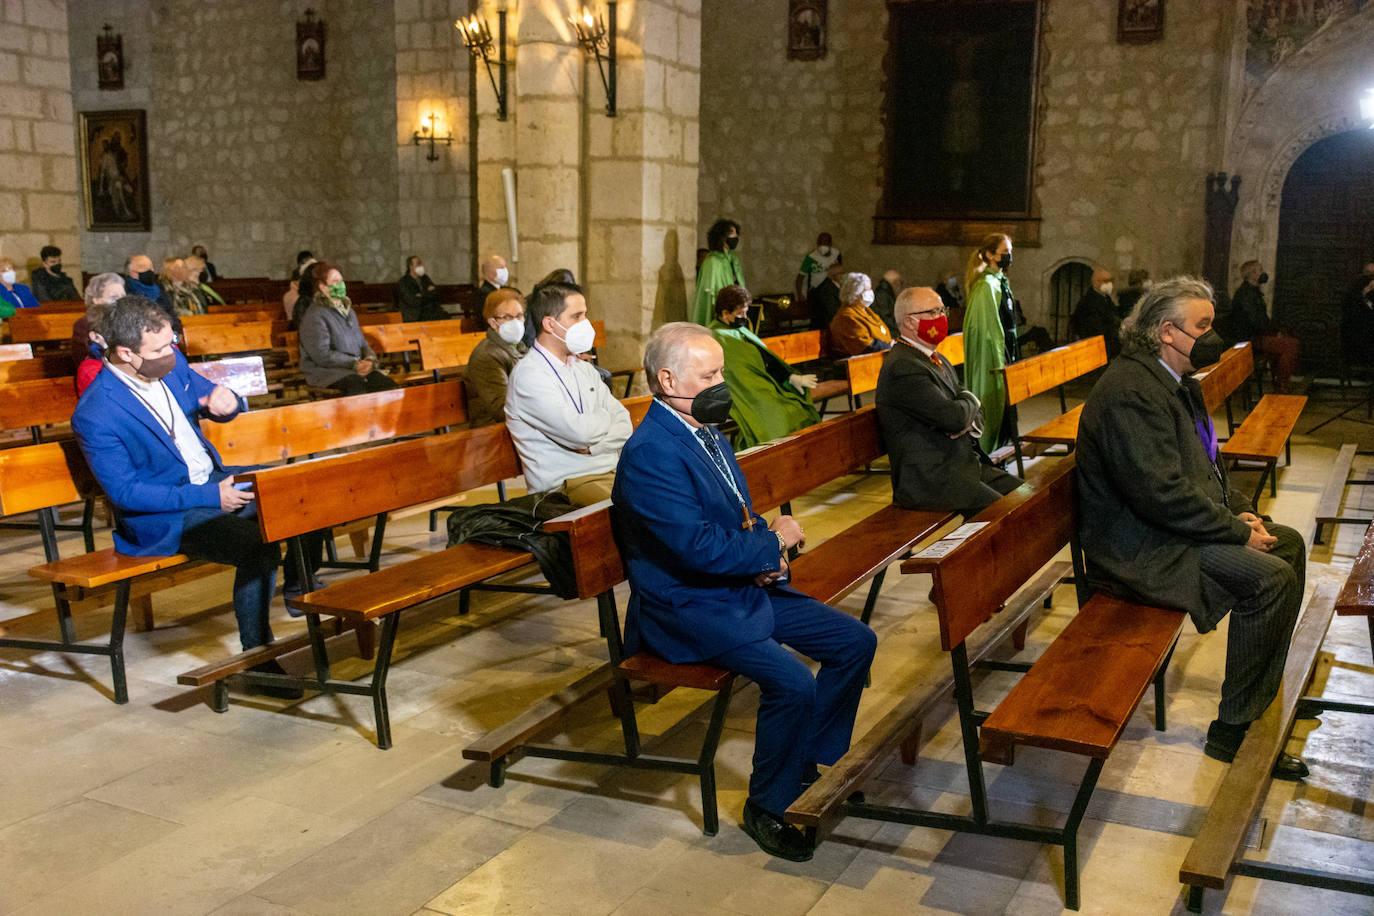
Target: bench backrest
<point x="776" y="472"/>
<point x="801" y="347"/>
<point x="1029" y="377"/>
<point x="37" y="402"/>
<point x="366" y="319"/>
<point x="38" y="476"/>
<point x="1026" y="529"/>
<point x="294" y="499"/>
<point x="277" y="434"/>
<point x="223" y="337"/>
<point x="47" y="365"/>
<point x="1220" y="380"/>
<point x="952" y="349"/>
<point x="238" y="316"/>
<point x="638" y="407"/>
<point x="448" y="350"/>
<point x="37" y="325"/>
<point x="242" y="375"/>
<point x="402" y="336"/>
<point x="15" y="351"/>
<point x="862" y="371"/>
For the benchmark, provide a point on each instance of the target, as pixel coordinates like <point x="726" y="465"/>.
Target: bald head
<point x="490" y="265"/>
<point x="138" y="264"/>
<point x="912" y="300"/>
<point x="1100" y="276"/>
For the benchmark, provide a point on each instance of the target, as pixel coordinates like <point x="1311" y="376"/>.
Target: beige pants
<point x="583" y="491"/>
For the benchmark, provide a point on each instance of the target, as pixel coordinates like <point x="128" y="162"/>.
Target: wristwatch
<point x="782" y="543"/>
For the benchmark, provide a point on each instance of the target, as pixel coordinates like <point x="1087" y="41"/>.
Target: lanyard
<point x="577" y="402"/>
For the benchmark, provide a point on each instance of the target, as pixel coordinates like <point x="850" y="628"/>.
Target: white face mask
<point x="1147" y="284"/>
<point x="1106" y="288"/>
<point x="580" y="337"/>
<point x="502" y="275"/>
<point x="824" y="251"/>
<point x="420" y="271"/>
<point x="867" y="297"/>
<point x="512" y="332"/>
<point x="7" y="277"/>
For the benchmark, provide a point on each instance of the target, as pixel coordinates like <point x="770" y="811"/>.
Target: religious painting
<point x="1139" y="21"/>
<point x="806" y="36"/>
<point x="114" y="170"/>
<point x="310" y="47"/>
<point x="109" y="59"/>
<point x="1277" y="28"/>
<point x="960" y="114"/>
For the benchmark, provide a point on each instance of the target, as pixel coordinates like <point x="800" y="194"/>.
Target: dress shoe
<point x="1224" y="739"/>
<point x="775" y="837"/>
<point x="279" y="692"/>
<point x="1290" y="768"/>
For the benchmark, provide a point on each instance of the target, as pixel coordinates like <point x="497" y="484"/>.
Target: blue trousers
<point x="803" y="720"/>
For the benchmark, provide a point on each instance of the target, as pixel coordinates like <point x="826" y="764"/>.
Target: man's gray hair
<point x="1163" y="303"/>
<point x="853" y="285"/>
<point x="667" y="349"/>
<point x="98" y="290"/>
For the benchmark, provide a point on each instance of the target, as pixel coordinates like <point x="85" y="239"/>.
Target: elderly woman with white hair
<point x="856" y="328"/>
<point x="87" y="346"/>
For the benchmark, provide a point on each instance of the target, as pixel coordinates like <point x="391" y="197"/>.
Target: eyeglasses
<point x="931" y="313"/>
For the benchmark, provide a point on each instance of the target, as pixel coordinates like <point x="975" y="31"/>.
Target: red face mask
<point x="932" y="330"/>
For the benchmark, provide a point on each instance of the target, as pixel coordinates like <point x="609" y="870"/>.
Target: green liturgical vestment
<point x="766" y="406"/>
<point x="719" y="270"/>
<point x="985" y="350"/>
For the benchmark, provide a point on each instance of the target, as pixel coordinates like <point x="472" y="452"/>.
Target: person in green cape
<point x="770" y="397"/>
<point x="990" y="336"/>
<point x="720" y="269"/>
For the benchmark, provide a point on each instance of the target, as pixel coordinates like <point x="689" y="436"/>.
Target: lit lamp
<point x="592" y="33"/>
<point x="1367" y="107"/>
<point x="477" y="38"/>
<point x="429" y="132"/>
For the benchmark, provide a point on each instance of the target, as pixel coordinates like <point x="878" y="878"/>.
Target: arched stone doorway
<point x="1325" y="235"/>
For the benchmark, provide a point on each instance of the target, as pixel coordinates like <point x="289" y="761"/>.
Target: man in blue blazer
<point x="137" y="424"/>
<point x="708" y="579"/>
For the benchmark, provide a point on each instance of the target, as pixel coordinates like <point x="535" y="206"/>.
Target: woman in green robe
<point x="770" y="397"/>
<point x="720" y="269"/>
<point x="989" y="337"/>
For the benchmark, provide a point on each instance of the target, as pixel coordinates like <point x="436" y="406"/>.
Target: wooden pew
<point x="41" y="477"/>
<point x="1329" y="506"/>
<point x="1356" y="598"/>
<point x="777" y="472"/>
<point x="1217" y="851"/>
<point x="1105" y="659"/>
<point x="237" y="316"/>
<point x="1224" y="377"/>
<point x="36" y="403"/>
<point x="41" y="325"/>
<point x="1029" y="377"/>
<point x="439" y="352"/>
<point x="15" y="352"/>
<point x="45" y="365"/>
<point x="222" y="338"/>
<point x="1265" y="433"/>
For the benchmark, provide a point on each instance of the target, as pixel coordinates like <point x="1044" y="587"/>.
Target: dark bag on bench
<point x="517" y="524"/>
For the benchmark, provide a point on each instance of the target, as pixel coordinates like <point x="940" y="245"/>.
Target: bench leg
<point x="1080" y="805"/>
<point x="1194" y="899"/>
<point x="219" y="696"/>
<point x="143" y="606"/>
<point x="374" y="559"/>
<point x="873" y="589"/>
<point x="379" y="673"/>
<point x="318" y="653"/>
<point x="47" y="533"/>
<point x="1159" y="688"/>
<point x="497" y="777"/>
<point x="121" y="611"/>
<point x="87" y="523"/>
<point x="64" y="614"/>
<point x="911" y="745"/>
<point x="706" y="761"/>
<point x="464" y="601"/>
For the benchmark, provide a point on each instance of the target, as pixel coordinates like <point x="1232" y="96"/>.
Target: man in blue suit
<point x="137" y="425"/>
<point x="708" y="579"/>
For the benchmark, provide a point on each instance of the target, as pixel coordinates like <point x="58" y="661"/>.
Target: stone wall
<point x="38" y="186"/>
<point x="245" y="158"/>
<point x="1126" y="135"/>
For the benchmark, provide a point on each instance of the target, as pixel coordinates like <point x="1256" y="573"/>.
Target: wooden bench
<point x="41" y="325"/>
<point x="36" y="403"/>
<point x="1356" y="598"/>
<point x="1264" y="434"/>
<point x="222" y="338"/>
<point x="1076" y="698"/>
<point x="1329" y="506"/>
<point x="777" y="472"/>
<point x="1029" y="377"/>
<point x="1224" y="377"/>
<point x="45" y="365"/>
<point x="41" y="477"/>
<point x="1217" y="851"/>
<point x="15" y="351"/>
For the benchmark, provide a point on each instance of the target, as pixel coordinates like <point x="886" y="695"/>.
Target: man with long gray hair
<point x="1158" y="522"/>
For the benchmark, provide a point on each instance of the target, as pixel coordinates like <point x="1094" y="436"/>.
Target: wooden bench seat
<point x="1265" y="433"/>
<point x="1062" y="430"/>
<point x="1329" y="506"/>
<point x="1052" y="369"/>
<point x="1217" y="851"/>
<point x="1356" y="598"/>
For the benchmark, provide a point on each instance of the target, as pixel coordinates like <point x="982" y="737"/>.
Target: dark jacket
<point x="1249" y="317"/>
<point x="1148" y="494"/>
<point x="52" y="288"/>
<point x="1095" y="314"/>
<point x="331" y="343"/>
<point x="486" y="377"/>
<point x="419" y="299"/>
<point x="824" y="300"/>
<point x="920" y="405"/>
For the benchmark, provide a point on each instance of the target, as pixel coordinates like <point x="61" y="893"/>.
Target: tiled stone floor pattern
<point x="162" y="806"/>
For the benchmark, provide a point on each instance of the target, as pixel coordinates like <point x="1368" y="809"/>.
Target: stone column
<point x="39" y="190"/>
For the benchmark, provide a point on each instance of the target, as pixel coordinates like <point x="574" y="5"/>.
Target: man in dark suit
<point x="1096" y="313"/>
<point x="1158" y="522"/>
<point x="708" y="583"/>
<point x="417" y="294"/>
<point x="930" y="422"/>
<point x="138" y="426"/>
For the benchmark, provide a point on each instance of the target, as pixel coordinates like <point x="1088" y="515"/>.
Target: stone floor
<point x="163" y="806"/>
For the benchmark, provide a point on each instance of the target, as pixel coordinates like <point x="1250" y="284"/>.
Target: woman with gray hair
<point x="856" y="328"/>
<point x="87" y="346"/>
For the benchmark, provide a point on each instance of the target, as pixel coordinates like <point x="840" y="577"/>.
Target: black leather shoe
<point x="775" y="837"/>
<point x="1223" y="740"/>
<point x="279" y="692"/>
<point x="1290" y="768"/>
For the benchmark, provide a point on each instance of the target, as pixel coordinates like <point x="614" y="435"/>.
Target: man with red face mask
<point x="930" y="421"/>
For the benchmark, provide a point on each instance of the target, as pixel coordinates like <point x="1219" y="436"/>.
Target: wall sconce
<point x="1367" y="107"/>
<point x="429" y="131"/>
<point x="592" y="33"/>
<point x="477" y="39"/>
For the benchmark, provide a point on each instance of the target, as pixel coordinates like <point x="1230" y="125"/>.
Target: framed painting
<point x="1139" y="21"/>
<point x="960" y="113"/>
<point x="114" y="170"/>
